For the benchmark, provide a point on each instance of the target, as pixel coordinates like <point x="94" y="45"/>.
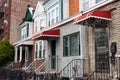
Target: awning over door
<point x="47" y="34"/>
<point x="92" y="15"/>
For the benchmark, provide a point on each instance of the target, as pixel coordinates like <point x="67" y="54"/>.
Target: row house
<point x="24" y="47"/>
<point x="81" y="46"/>
<point x="65" y="48"/>
<point x="72" y="39"/>
<point x="39" y="52"/>
<point x="100" y="21"/>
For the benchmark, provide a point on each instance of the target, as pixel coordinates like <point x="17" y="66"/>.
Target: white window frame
<point x="35" y="27"/>
<point x="42" y="24"/>
<point x="97" y="1"/>
<point x="39" y="49"/>
<point x="53" y="15"/>
<point x="24" y="32"/>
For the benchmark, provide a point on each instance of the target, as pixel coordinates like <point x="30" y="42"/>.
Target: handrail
<point x="72" y="69"/>
<point x="30" y="65"/>
<point x="8" y="65"/>
<point x="89" y="77"/>
<point x="43" y="65"/>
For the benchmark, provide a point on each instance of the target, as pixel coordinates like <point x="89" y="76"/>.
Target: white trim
<point x="39" y="43"/>
<point x="20" y="54"/>
<point x="16" y="54"/>
<point x="26" y="39"/>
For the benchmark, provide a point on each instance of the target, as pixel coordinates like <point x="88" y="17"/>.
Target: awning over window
<point x="47" y="34"/>
<point x="105" y="15"/>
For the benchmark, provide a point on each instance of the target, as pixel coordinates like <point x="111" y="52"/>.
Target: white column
<point x="25" y="56"/>
<point x="16" y="54"/>
<point x="20" y="54"/>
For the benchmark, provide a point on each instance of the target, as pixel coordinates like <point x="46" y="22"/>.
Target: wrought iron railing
<point x="107" y="75"/>
<point x="73" y="69"/>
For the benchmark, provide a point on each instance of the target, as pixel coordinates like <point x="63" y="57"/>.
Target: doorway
<point x="101" y="49"/>
<point x="53" y="54"/>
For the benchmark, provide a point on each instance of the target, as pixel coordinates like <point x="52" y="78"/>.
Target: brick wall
<point x="18" y="9"/>
<point x="73" y="7"/>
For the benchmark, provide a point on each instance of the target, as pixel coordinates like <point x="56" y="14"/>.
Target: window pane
<point x="98" y="1"/>
<point x="57" y="14"/>
<point x="27" y="29"/>
<point x="71" y="45"/>
<point x="42" y="24"/>
<point x="65" y="43"/>
<point x="49" y="19"/>
<point x="74" y="44"/>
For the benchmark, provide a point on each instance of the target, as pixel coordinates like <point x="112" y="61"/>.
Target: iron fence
<point x="114" y="74"/>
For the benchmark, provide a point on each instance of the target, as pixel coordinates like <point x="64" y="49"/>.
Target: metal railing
<point x="107" y="75"/>
<point x="73" y="69"/>
<point x="30" y="67"/>
<point x="44" y="67"/>
<point x="6" y="74"/>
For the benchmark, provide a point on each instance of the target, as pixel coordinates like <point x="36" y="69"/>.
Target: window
<point x="49" y="19"/>
<point x="71" y="45"/>
<point x="97" y="1"/>
<point x="42" y="26"/>
<point x="36" y="50"/>
<point x="40" y="49"/>
<point x="57" y="14"/>
<point x="35" y="26"/>
<point x="25" y="31"/>
<point x="85" y="4"/>
<point x="53" y="16"/>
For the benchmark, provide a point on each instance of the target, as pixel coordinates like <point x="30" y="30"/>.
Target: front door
<point x="101" y="49"/>
<point x="53" y="54"/>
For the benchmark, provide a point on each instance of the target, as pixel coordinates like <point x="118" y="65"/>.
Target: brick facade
<point x="114" y="35"/>
<point x="18" y="9"/>
<point x="73" y="7"/>
<point x="4" y="25"/>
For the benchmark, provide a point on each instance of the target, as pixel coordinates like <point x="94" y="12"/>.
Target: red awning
<point x="94" y="14"/>
<point x="47" y="33"/>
